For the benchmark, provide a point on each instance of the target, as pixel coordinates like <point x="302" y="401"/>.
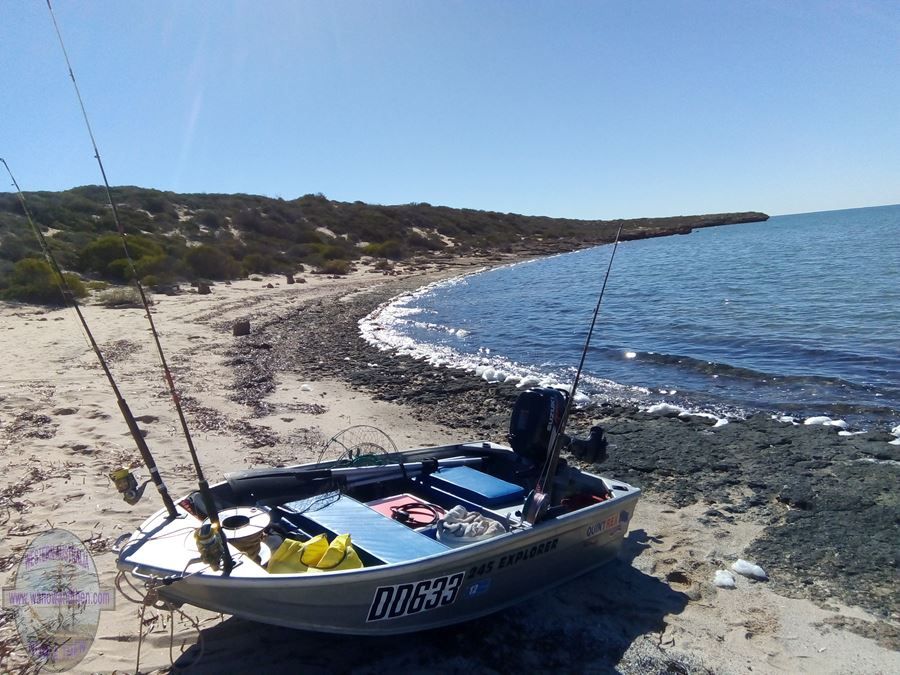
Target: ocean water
<point x="796" y="316"/>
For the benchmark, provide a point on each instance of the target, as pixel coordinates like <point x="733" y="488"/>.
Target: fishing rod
<point x="538" y="501"/>
<point x="69" y="297"/>
<point x="203" y="485"/>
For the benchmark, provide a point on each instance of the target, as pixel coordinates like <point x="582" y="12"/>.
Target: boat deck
<point x="379" y="539"/>
<point x="172" y="542"/>
<point x="374" y="533"/>
<point x="376" y="536"/>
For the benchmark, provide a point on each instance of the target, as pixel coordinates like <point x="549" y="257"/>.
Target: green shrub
<point x="95" y="286"/>
<point x="392" y="249"/>
<point x="210" y="219"/>
<point x="334" y="267"/>
<point x="210" y="263"/>
<point x="339" y="250"/>
<point x="33" y="280"/>
<point x="258" y="263"/>
<point x="301" y="251"/>
<point x="162" y="266"/>
<point x="303" y="234"/>
<point x="121" y="296"/>
<point x="156" y="204"/>
<point x="248" y="219"/>
<point x="106" y="256"/>
<point x="14" y="247"/>
<point x="119" y="269"/>
<point x="415" y="240"/>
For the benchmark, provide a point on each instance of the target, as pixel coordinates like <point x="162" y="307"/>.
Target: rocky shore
<point x="828" y="503"/>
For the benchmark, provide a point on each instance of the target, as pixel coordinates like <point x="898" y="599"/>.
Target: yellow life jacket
<point x="315" y="555"/>
<point x="339" y="556"/>
<point x="294" y="557"/>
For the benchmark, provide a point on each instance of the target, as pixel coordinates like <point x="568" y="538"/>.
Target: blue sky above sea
<point x="578" y="109"/>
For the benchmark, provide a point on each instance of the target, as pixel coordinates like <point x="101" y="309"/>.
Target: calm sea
<point x="799" y="315"/>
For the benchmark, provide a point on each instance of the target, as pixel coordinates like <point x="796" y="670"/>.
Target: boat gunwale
<point x="559" y="525"/>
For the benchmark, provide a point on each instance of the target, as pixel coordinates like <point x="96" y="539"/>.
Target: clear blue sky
<point x="579" y="109"/>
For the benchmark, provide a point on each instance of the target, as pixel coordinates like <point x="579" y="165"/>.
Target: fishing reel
<point x="127" y="485"/>
<point x="209" y="545"/>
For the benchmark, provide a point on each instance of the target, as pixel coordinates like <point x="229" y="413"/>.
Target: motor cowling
<point x="536" y="414"/>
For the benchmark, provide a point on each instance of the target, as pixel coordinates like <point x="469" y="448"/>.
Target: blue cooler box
<point x="476" y="486"/>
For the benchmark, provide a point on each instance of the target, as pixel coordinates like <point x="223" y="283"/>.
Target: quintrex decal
<point x="392" y="602"/>
<point x="612" y="523"/>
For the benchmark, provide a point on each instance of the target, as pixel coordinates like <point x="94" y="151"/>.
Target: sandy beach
<point x="654" y="610"/>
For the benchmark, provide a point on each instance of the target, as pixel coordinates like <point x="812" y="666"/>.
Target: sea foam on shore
<point x="385" y="327"/>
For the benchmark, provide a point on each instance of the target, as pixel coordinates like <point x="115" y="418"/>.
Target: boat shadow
<point x="584" y="625"/>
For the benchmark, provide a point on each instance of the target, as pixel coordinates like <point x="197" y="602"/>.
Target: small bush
<point x="392" y="249"/>
<point x="300" y="251"/>
<point x="120" y="269"/>
<point x="122" y="296"/>
<point x="334" y="267"/>
<point x="33" y="280"/>
<point x="156" y="204"/>
<point x="258" y="263"/>
<point x="95" y="286"/>
<point x="210" y="263"/>
<point x="163" y="267"/>
<point x="106" y="256"/>
<point x="211" y="219"/>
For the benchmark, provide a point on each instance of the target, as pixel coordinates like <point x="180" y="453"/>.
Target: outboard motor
<point x="535" y="415"/>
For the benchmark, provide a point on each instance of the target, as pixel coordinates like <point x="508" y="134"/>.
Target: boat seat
<point x="382" y="537"/>
<point x="476" y="486"/>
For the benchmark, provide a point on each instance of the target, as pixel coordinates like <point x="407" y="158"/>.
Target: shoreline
<point x="374" y="331"/>
<point x="702" y="507"/>
<point x="685" y="459"/>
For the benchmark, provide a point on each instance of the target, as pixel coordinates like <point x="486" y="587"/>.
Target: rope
<point x="119" y="577"/>
<point x="137" y="663"/>
<point x="152" y="600"/>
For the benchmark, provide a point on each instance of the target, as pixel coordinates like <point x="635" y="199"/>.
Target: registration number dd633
<point x="392" y="602"/>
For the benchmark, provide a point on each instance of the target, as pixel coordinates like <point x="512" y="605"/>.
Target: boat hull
<point x="412" y="593"/>
<point x="427" y="593"/>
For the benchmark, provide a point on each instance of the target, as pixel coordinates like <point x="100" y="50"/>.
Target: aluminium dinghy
<point x="437" y="535"/>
